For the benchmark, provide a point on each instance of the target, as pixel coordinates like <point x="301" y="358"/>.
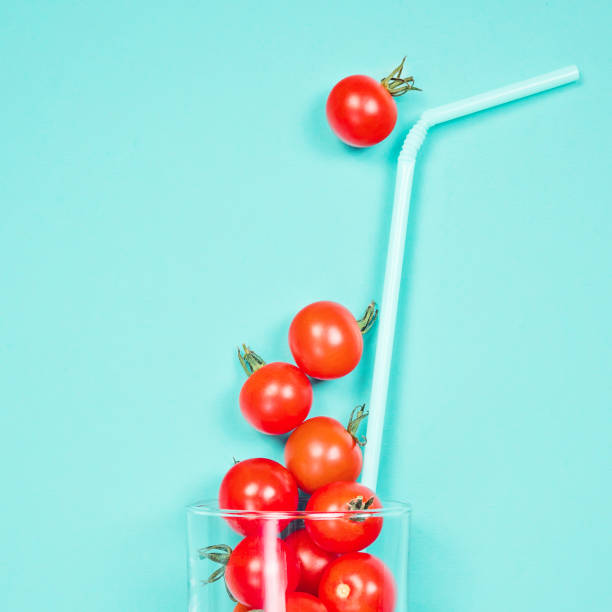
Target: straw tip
<point x="573" y="71"/>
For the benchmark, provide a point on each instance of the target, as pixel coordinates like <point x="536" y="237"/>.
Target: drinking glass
<point x="212" y="535"/>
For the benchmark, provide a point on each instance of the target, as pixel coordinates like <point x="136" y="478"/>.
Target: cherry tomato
<point x="257" y="485"/>
<point x="361" y="110"/>
<point x="276" y="397"/>
<point x="326" y="340"/>
<point x="320" y="451"/>
<point x="313" y="560"/>
<point x="304" y="602"/>
<point x="245" y="572"/>
<point x="347" y="533"/>
<point x="358" y="582"/>
<point x="242" y="608"/>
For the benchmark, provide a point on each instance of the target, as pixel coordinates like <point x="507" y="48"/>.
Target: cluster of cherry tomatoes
<point x="320" y="563"/>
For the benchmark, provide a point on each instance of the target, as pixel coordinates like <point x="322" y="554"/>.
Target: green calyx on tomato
<point x="397" y="85"/>
<point x="217" y="553"/>
<point x="358" y="414"/>
<point x="370" y="315"/>
<point x="357" y="504"/>
<point x="250" y="361"/>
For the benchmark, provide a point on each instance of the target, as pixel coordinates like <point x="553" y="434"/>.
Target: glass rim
<point x="210" y="507"/>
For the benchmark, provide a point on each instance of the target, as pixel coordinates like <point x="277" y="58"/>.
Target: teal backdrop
<point x="169" y="188"/>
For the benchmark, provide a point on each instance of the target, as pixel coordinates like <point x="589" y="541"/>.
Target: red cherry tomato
<point x="304" y="602"/>
<point x="320" y="451"/>
<point x="313" y="560"/>
<point x="347" y="533"/>
<point x="358" y="582"/>
<point x="249" y="564"/>
<point x="360" y="111"/>
<point x="276" y="398"/>
<point x="242" y="608"/>
<point x="326" y="340"/>
<point x="257" y="485"/>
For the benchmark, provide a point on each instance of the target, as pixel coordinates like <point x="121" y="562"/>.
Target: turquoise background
<point x="169" y="188"/>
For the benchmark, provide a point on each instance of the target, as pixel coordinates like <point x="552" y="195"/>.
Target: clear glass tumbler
<point x="279" y="558"/>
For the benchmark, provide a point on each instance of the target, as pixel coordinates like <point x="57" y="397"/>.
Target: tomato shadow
<point x="315" y="382"/>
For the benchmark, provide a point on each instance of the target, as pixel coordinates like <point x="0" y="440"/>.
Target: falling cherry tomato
<point x="321" y="450"/>
<point x="276" y="397"/>
<point x="249" y="564"/>
<point x="304" y="602"/>
<point x="313" y="560"/>
<point x="361" y="110"/>
<point x="346" y="533"/>
<point x="257" y="485"/>
<point x="358" y="582"/>
<point x="326" y="340"/>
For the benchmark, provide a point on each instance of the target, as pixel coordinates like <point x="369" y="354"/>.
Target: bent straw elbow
<point x="415" y="138"/>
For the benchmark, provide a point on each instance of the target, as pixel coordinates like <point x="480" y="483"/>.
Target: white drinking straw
<point x="397" y="238"/>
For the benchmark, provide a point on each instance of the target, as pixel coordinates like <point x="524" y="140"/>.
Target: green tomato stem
<point x="250" y="361"/>
<point x="397" y="85"/>
<point x="358" y="414"/>
<point x="357" y="504"/>
<point x="368" y="319"/>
